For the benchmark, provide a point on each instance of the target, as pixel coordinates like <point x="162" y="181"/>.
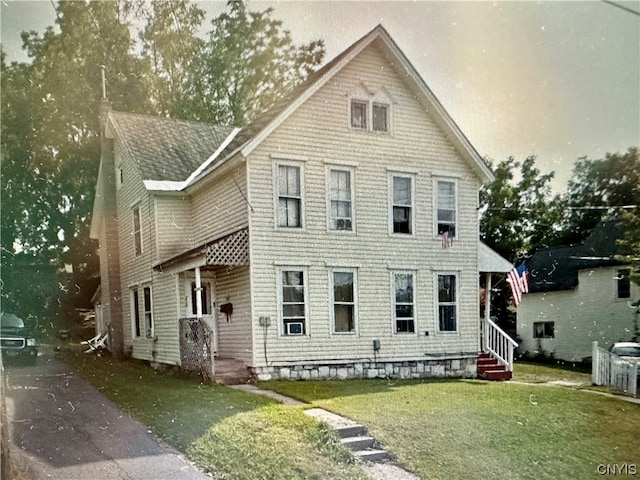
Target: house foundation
<point x="460" y="367"/>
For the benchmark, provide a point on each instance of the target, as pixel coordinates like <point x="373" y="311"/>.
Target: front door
<point x="208" y="305"/>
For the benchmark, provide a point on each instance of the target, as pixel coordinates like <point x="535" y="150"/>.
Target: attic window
<point x="380" y="117"/>
<point x="370" y="115"/>
<point x="359" y="114"/>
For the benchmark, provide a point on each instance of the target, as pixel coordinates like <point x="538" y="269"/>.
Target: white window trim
<point x="354" y="272"/>
<point x="435" y="205"/>
<point x="280" y="298"/>
<point x="412" y="177"/>
<point x="436" y="303"/>
<point x="352" y="173"/>
<point x="139" y="290"/>
<point x="276" y="195"/>
<point x="135" y="207"/>
<point x="393" y="274"/>
<point x="363" y="93"/>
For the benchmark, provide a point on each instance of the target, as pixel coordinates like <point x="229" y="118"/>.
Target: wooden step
<point x="497" y="375"/>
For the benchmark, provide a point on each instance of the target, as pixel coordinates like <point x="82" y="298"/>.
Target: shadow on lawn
<point x="314" y="390"/>
<point x="177" y="408"/>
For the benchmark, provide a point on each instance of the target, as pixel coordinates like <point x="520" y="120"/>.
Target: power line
<point x="626" y="9"/>
<point x="611" y="207"/>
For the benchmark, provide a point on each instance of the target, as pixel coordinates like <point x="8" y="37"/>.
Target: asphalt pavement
<point x="62" y="428"/>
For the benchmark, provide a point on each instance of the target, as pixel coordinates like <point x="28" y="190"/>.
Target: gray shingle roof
<point x="556" y="268"/>
<point x="166" y="149"/>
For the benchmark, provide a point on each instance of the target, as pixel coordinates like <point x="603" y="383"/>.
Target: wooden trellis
<point x="195" y="348"/>
<point x="230" y="250"/>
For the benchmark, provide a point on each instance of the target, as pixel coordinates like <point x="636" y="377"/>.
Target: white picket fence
<point x="613" y="371"/>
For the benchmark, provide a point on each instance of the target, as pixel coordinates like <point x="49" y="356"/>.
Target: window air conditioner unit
<point x="295" y="328"/>
<point x="343" y="224"/>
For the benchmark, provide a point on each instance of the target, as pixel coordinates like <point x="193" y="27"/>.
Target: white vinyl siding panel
<point x="320" y="132"/>
<point x="219" y="206"/>
<point x="174" y="225"/>
<point x="234" y="334"/>
<point x="135" y="269"/>
<point x="590" y="312"/>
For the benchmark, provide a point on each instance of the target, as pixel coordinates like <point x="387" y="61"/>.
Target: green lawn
<point x="234" y="435"/>
<point x="538" y="373"/>
<point x="462" y="429"/>
<point x="448" y="429"/>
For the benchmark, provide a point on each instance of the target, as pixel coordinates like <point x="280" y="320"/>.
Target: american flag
<point x="447" y="241"/>
<point x="519" y="282"/>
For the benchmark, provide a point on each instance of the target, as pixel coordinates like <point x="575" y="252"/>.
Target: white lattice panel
<point x="230" y="250"/>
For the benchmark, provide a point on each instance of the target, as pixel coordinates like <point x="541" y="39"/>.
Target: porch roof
<point x="229" y="249"/>
<point x="490" y="261"/>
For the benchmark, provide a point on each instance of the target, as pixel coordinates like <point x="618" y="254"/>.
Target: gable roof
<point x="259" y="129"/>
<point x="556" y="268"/>
<point x="167" y="150"/>
<point x="173" y="154"/>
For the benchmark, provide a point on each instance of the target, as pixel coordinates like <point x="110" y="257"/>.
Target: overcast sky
<point x="558" y="80"/>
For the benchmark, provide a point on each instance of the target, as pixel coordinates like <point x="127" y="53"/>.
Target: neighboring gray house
<point x="310" y="241"/>
<point x="578" y="294"/>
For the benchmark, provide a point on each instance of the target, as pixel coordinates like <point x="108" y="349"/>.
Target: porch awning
<point x="231" y="249"/>
<point x="491" y="261"/>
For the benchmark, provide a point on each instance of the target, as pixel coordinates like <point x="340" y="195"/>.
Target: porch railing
<point x="498" y="343"/>
<point x="613" y="371"/>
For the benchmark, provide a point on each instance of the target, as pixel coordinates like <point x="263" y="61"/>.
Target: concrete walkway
<point x="377" y="470"/>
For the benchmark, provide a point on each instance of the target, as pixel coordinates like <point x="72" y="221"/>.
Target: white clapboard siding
<point x="318" y="132"/>
<point x="136" y="271"/>
<point x="590" y="312"/>
<point x="174" y="225"/>
<point x="234" y="333"/>
<point x="219" y="205"/>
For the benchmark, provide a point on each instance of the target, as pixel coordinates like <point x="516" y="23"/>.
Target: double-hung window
<point x="340" y="200"/>
<point x="404" y="306"/>
<point x="447" y="303"/>
<point x="142" y="312"/>
<point x="446" y="207"/>
<point x="402" y="204"/>
<point x="137" y="231"/>
<point x="293" y="302"/>
<point x="289" y="196"/>
<point x="344" y="301"/>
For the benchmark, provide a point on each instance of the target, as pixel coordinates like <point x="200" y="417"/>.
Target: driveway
<point x="63" y="428"/>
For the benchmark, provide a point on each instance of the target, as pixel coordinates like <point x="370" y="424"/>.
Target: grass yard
<point x="538" y="373"/>
<point x="234" y="435"/>
<point x="462" y="429"/>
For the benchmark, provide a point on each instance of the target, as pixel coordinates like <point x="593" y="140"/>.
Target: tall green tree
<point x="170" y="44"/>
<point x="518" y="215"/>
<point x="599" y="190"/>
<point x="50" y="131"/>
<point x="246" y="65"/>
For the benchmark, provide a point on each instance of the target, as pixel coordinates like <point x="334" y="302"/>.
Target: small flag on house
<point x="519" y="282"/>
<point x="447" y="241"/>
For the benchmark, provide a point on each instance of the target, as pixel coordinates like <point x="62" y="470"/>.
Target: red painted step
<point x="490" y="369"/>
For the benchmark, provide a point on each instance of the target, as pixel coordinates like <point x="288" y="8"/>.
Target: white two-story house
<point x="335" y="236"/>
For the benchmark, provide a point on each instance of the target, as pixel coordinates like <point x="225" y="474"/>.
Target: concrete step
<point x="358" y="443"/>
<point x="373" y="455"/>
<point x="355" y="430"/>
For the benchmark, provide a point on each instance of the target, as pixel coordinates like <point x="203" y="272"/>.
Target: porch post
<point x="198" y="293"/>
<point x="487" y="312"/>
